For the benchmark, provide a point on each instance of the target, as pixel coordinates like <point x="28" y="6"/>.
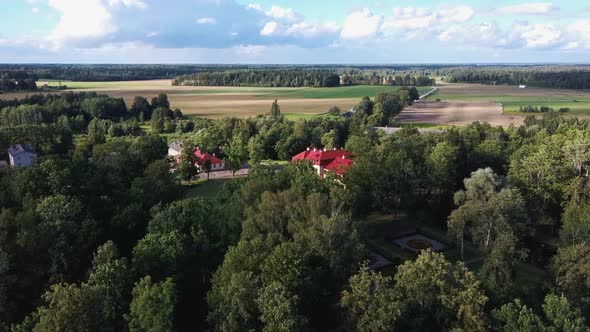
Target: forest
<point x="99" y="235"/>
<point x="302" y="78"/>
<point x="549" y="76"/>
<point x="563" y="77"/>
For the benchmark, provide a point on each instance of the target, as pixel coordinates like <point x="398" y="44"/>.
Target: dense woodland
<point x="23" y="84"/>
<point x="565" y="77"/>
<point x="100" y="236"/>
<point x="302" y="78"/>
<point x="550" y="76"/>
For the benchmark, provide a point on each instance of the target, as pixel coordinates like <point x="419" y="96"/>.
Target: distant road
<point x="431" y="91"/>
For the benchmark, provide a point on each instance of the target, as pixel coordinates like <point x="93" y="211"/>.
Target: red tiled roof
<point x="339" y="165"/>
<point x="321" y="157"/>
<point x="202" y="157"/>
<point x="336" y="161"/>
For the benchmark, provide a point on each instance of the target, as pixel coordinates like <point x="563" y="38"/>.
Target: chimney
<point x="343" y="156"/>
<point x="308" y="148"/>
<point x="324" y="149"/>
<point x="315" y="149"/>
<point x="334" y="149"/>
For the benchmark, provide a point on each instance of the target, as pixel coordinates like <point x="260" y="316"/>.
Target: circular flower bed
<point x="418" y="244"/>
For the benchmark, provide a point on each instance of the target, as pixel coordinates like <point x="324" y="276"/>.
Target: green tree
<point x="152" y="306"/>
<point x="236" y="154"/>
<point x="516" y="317"/>
<point x="571" y="267"/>
<point x="207" y="167"/>
<point x="141" y="106"/>
<point x="275" y="111"/>
<point x="436" y="294"/>
<point x="278" y="309"/>
<point x="161" y="101"/>
<point x="562" y="315"/>
<point x="187" y="168"/>
<point x="369" y="302"/>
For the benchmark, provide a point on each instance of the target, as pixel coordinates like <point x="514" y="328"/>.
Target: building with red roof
<point x="175" y="151"/>
<point x="324" y="161"/>
<point x="216" y="163"/>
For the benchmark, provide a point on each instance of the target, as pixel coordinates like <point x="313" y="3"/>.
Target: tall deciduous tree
<point x="187" y="168"/>
<point x="369" y="302"/>
<point x="152" y="306"/>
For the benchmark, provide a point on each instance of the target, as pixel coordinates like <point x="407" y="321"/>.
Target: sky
<point x="294" y="31"/>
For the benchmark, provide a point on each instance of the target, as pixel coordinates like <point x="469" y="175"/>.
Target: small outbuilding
<point x="22" y="155"/>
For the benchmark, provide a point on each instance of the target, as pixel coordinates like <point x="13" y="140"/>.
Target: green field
<point x="512" y="98"/>
<point x="304" y="93"/>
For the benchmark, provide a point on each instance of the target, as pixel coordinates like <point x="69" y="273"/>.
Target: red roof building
<point x="337" y="160"/>
<point x="216" y="163"/>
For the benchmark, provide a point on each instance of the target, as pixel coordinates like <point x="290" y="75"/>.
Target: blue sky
<point x="293" y="31"/>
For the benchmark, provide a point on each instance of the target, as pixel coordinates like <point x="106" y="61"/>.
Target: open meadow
<point x="459" y="104"/>
<point x="217" y="102"/>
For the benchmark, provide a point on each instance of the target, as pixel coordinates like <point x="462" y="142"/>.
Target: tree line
<point x="541" y="109"/>
<point x="100" y="236"/>
<point x="566" y="77"/>
<point x="261" y="78"/>
<point x="22" y="84"/>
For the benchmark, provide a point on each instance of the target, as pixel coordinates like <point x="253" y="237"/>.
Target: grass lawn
<point x="382" y="227"/>
<point x="204" y="188"/>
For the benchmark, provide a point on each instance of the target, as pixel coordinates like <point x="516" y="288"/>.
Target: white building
<point x="174" y="149"/>
<point x="522" y="86"/>
<point x="22" y="155"/>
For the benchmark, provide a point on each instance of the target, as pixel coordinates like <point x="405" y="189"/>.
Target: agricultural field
<point x="459" y="104"/>
<point x="512" y="97"/>
<point x="217" y="102"/>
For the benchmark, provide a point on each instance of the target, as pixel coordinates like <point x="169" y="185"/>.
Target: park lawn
<point x="381" y="227"/>
<point x="204" y="188"/>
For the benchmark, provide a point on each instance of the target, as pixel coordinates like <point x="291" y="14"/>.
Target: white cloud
<point x="207" y="20"/>
<point x="35" y="10"/>
<point x="417" y="18"/>
<point x="280" y="13"/>
<point x="313" y="30"/>
<point x="88" y="19"/>
<point x="361" y="24"/>
<point x="255" y="6"/>
<point x="269" y="28"/>
<point x="249" y="50"/>
<point x="579" y="31"/>
<point x="455" y="14"/>
<point x="541" y="35"/>
<point x="128" y="3"/>
<point x="531" y="8"/>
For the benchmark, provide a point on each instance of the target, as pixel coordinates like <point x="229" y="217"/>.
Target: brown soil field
<point x="457" y="113"/>
<point x="220" y="102"/>
<point x="479" y="91"/>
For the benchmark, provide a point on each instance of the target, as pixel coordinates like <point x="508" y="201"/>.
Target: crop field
<point x="460" y="104"/>
<point x="217" y="102"/>
<point x="512" y="98"/>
